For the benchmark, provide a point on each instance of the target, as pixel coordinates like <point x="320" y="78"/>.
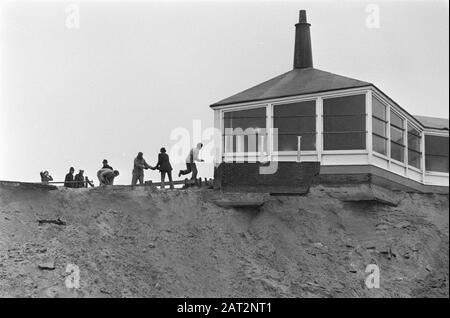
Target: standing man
<point x="79" y="178"/>
<point x="138" y="169"/>
<point x="164" y="167"/>
<point x="68" y="181"/>
<point x="190" y="162"/>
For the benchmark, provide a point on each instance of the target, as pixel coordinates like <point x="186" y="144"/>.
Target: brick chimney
<point x="303" y="52"/>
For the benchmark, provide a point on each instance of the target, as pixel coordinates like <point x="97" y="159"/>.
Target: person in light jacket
<point x="190" y="162"/>
<point x="138" y="169"/>
<point x="45" y="177"/>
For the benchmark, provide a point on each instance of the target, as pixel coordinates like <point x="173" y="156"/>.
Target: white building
<point x="350" y="126"/>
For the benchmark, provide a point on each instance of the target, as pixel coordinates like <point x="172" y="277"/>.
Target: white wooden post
<point x="299" y="147"/>
<point x="319" y="128"/>
<point x="261" y="148"/>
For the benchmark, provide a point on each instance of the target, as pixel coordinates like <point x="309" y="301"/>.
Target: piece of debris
<point x="104" y="291"/>
<point x="382" y="227"/>
<point x="47" y="265"/>
<point x="151" y="245"/>
<point x="402" y="225"/>
<point x="58" y="221"/>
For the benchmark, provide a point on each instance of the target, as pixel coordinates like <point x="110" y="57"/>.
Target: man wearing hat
<point x="106" y="165"/>
<point x="79" y="178"/>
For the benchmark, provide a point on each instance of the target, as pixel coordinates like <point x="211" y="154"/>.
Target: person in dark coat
<point x="79" y="177"/>
<point x="164" y="167"/>
<point x="106" y="165"/>
<point x="68" y="181"/>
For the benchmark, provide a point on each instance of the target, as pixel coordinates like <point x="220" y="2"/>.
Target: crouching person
<point x="164" y="167"/>
<point x="106" y="176"/>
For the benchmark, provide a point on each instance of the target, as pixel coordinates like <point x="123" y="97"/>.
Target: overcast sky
<point x="135" y="71"/>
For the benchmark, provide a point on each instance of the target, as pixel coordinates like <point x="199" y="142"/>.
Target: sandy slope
<point x="138" y="242"/>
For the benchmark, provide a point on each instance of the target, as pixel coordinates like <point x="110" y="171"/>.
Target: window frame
<point x="404" y="121"/>
<point x="364" y="115"/>
<point x="386" y="123"/>
<point x="421" y="143"/>
<point x="430" y="172"/>
<point x="238" y="154"/>
<point x="272" y="119"/>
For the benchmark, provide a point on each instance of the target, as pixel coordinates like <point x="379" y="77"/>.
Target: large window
<point x="293" y="120"/>
<point x="245" y="130"/>
<point x="344" y="123"/>
<point x="397" y="137"/>
<point x="414" y="153"/>
<point x="436" y="153"/>
<point x="379" y="127"/>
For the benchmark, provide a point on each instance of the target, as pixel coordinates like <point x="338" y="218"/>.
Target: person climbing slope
<point x="190" y="162"/>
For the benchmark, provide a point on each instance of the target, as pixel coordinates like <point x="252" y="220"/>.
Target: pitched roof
<point x="433" y="122"/>
<point x="295" y="82"/>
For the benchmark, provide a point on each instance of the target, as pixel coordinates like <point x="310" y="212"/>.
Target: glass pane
<point x="295" y="124"/>
<point x="436" y="145"/>
<point x="344" y="123"/>
<point x="397" y="152"/>
<point x="254" y="112"/>
<point x="436" y="163"/>
<point x="295" y="109"/>
<point x="245" y="118"/>
<point x="397" y="135"/>
<point x="346" y="105"/>
<point x="379" y="145"/>
<point x="345" y="141"/>
<point x="413" y="142"/>
<point x="436" y="153"/>
<point x="414" y="159"/>
<point x="378" y="109"/>
<point x="379" y="127"/>
<point x="289" y="142"/>
<point x="396" y="120"/>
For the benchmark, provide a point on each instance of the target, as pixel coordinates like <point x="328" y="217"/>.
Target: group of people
<point x="77" y="181"/>
<point x="164" y="166"/>
<point x="107" y="174"/>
